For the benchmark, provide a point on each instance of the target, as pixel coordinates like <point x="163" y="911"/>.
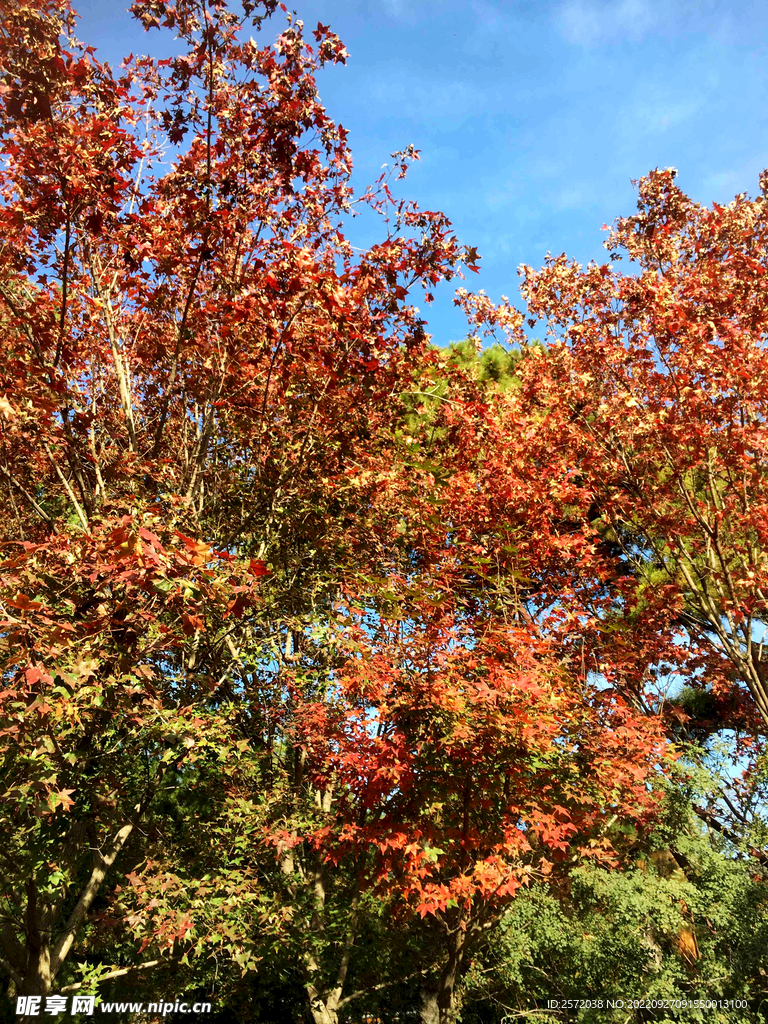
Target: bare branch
<point x="40" y="511"/>
<point x="118" y="972"/>
<point x="68" y="488"/>
<point x="103" y="863"/>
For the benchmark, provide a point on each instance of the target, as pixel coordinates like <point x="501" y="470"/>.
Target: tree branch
<point x="384" y="984"/>
<point x="119" y="972"/>
<point x="709" y="818"/>
<point x="12" y="480"/>
<point x="9" y="970"/>
<point x="12" y="948"/>
<point x="76" y="918"/>
<point x="68" y="488"/>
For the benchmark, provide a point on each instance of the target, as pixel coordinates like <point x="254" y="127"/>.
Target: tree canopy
<point x="329" y="654"/>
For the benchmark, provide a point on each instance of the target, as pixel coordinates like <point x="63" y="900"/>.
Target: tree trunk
<point x="37" y="975"/>
<point x="437" y="1003"/>
<point x="324" y="1011"/>
<point x="429" y="1010"/>
<point x="33" y="961"/>
<point x="37" y="980"/>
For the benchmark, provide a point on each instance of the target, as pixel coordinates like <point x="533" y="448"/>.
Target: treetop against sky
<point x="532" y="118"/>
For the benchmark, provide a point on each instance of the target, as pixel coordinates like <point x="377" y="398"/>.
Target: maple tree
<point x="297" y="612"/>
<point x="132" y="304"/>
<point x="430" y="748"/>
<point x="653" y="387"/>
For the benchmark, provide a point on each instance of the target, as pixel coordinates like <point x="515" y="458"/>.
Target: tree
<point x="144" y="502"/>
<point x="653" y="388"/>
<point x="682" y="922"/>
<point x="248" y="604"/>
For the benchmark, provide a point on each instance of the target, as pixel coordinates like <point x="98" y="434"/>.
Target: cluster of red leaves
<point x="468" y="766"/>
<point x="655" y="384"/>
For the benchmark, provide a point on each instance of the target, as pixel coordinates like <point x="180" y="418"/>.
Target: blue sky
<point x="532" y="117"/>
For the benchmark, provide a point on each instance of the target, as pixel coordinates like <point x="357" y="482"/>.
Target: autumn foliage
<point x="654" y="384"/>
<point x="297" y="610"/>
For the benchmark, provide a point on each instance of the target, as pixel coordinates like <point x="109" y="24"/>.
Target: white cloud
<point x="722" y="186"/>
<point x="591" y="22"/>
<point x="660" y="111"/>
<point x="599" y="22"/>
<point x="397" y="9"/>
<point x="571" y="198"/>
<point x="424" y="97"/>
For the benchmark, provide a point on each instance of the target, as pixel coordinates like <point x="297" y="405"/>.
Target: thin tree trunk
<point x="37" y="976"/>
